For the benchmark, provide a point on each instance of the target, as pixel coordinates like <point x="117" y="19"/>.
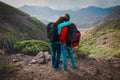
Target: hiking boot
<point x="56" y="68"/>
<point x="65" y="69"/>
<point x="74" y="67"/>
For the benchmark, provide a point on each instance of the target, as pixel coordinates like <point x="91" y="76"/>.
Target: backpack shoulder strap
<point x="49" y="24"/>
<point x="72" y="25"/>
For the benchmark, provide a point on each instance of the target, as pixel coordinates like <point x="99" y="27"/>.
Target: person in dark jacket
<point x="56" y="46"/>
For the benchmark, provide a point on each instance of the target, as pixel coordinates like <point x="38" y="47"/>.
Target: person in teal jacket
<point x="61" y="25"/>
<point x="62" y="31"/>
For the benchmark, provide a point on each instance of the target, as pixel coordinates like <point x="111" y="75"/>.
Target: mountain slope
<point x="103" y="41"/>
<point x="115" y="15"/>
<point x="20" y="24"/>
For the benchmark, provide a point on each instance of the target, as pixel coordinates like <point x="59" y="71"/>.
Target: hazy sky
<point x="64" y="4"/>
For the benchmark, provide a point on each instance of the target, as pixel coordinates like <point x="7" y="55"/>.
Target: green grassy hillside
<point x="16" y="25"/>
<point x="101" y="42"/>
<point x="24" y="26"/>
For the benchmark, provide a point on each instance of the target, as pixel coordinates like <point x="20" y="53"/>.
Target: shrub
<point x="31" y="46"/>
<point x="2" y="70"/>
<point x="81" y="52"/>
<point x="11" y="67"/>
<point x="2" y="52"/>
<point x="7" y="41"/>
<point x="1" y="67"/>
<point x="7" y="69"/>
<point x="90" y="42"/>
<point x="101" y="52"/>
<point x="117" y="53"/>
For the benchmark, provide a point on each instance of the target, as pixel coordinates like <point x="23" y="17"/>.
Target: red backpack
<point x="73" y="36"/>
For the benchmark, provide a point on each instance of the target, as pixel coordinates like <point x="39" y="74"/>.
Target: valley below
<point x="82" y="30"/>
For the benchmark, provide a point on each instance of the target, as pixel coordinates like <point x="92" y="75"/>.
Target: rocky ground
<point x="24" y="67"/>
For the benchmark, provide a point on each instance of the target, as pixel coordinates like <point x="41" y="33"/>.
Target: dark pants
<point x="56" y="53"/>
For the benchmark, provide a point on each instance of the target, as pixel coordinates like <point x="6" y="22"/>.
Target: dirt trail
<point x="87" y="69"/>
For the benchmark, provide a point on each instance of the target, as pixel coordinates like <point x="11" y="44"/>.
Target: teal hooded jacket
<point x="61" y="25"/>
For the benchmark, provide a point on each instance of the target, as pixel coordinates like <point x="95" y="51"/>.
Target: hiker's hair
<point x="67" y="17"/>
<point x="60" y="20"/>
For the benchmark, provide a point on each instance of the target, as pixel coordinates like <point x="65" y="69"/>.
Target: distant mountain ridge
<point x="43" y="13"/>
<point x="85" y="17"/>
<point x="20" y="23"/>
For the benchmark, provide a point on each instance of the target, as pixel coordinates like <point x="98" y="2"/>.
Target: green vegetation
<point x="31" y="46"/>
<point x="24" y="27"/>
<point x="7" y="41"/>
<point x="2" y="52"/>
<point x="21" y="24"/>
<point x="15" y="26"/>
<point x="2" y="71"/>
<point x="101" y="42"/>
<point x="35" y="20"/>
<point x="37" y="23"/>
<point x="101" y="52"/>
<point x="11" y="67"/>
<point x="7" y="69"/>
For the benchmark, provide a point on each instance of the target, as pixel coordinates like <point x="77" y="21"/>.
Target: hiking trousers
<point x="64" y="51"/>
<point x="56" y="53"/>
